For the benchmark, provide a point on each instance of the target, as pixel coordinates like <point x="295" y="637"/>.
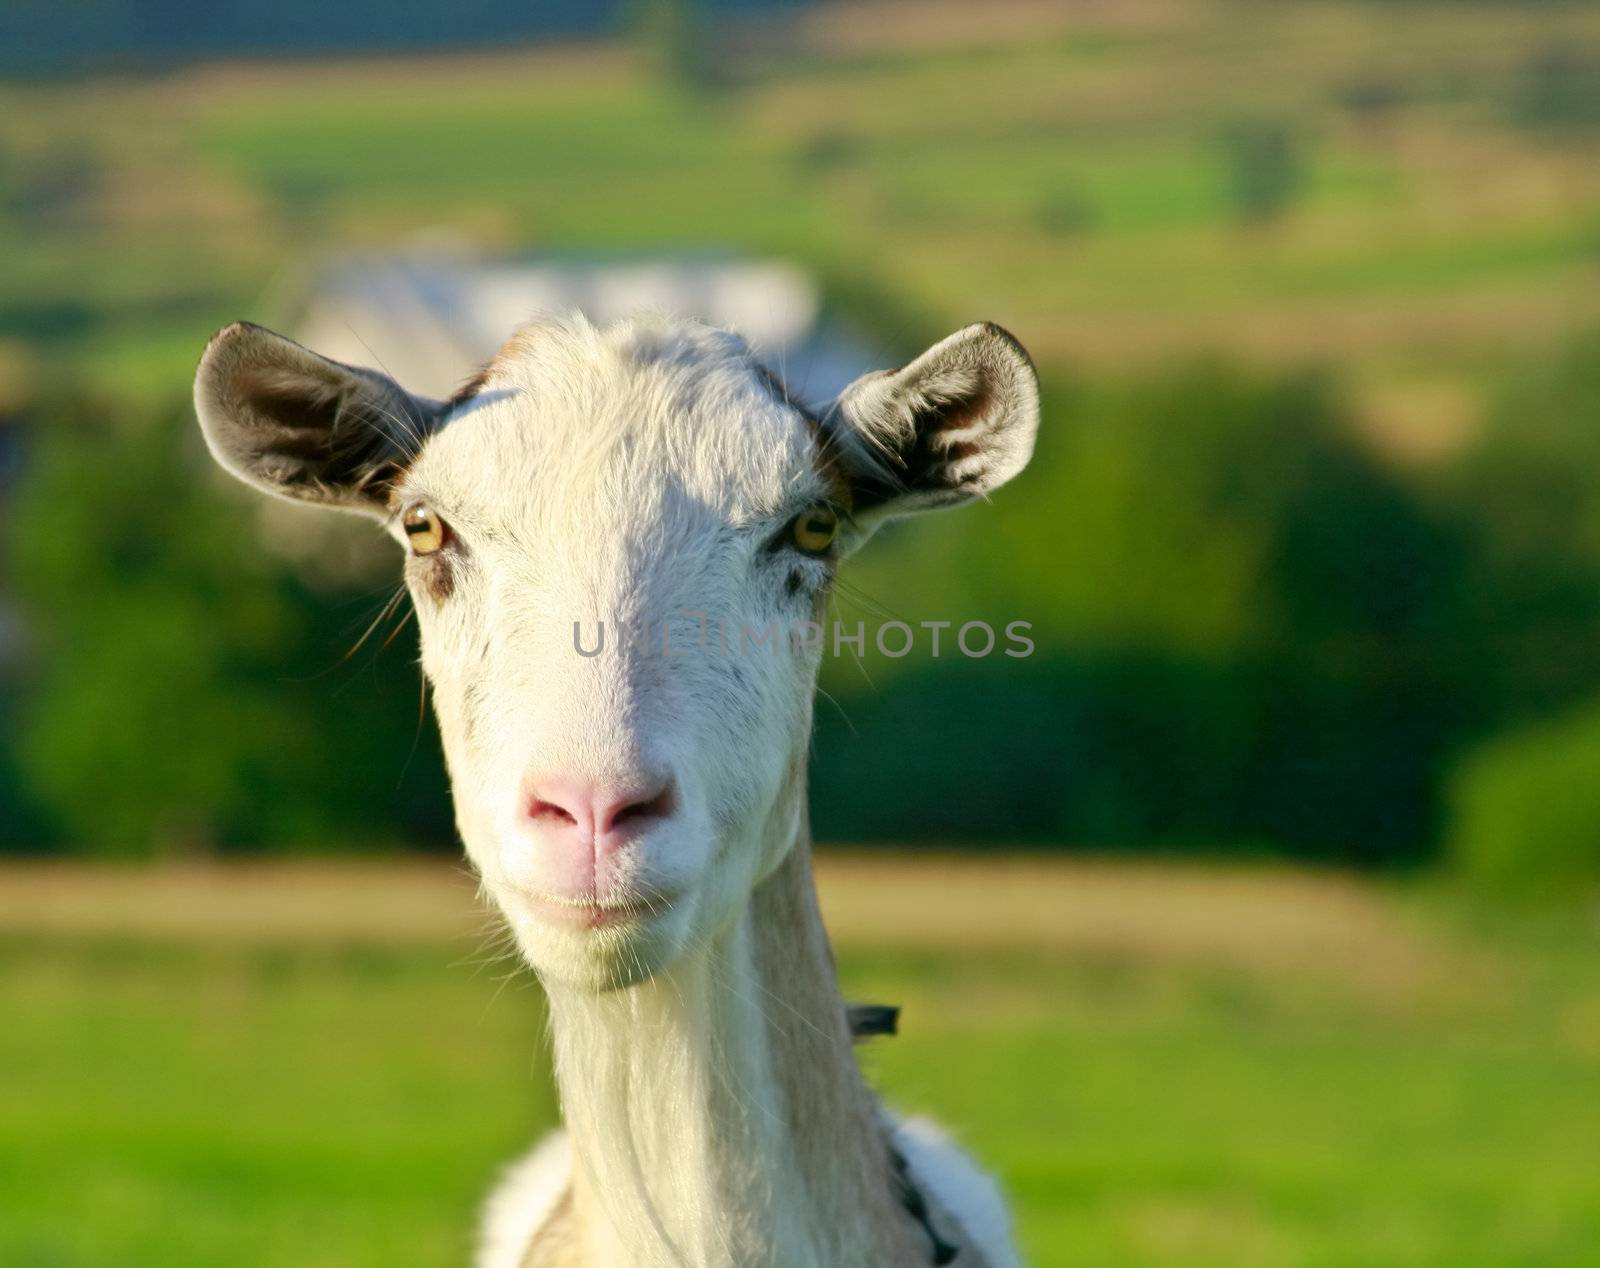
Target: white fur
<point x="970" y="1195"/>
<point x="528" y="1193"/>
<point x="534" y="1185"/>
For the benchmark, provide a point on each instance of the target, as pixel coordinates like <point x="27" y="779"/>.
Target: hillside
<point x="1408" y="191"/>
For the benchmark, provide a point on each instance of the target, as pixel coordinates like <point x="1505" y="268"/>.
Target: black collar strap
<point x="917" y="1207"/>
<point x="867" y="1020"/>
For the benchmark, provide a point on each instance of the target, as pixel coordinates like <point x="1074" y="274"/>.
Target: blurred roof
<point x="432" y="318"/>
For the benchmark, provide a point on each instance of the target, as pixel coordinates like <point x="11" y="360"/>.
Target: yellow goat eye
<point x="814" y="530"/>
<point x="426" y="533"/>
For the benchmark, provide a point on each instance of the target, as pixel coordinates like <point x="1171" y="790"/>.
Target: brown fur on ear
<point x="470" y="388"/>
<point x="298" y="425"/>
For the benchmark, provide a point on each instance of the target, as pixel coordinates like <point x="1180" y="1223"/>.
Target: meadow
<point x="1404" y="191"/>
<point x="1180" y="207"/>
<point x="306" y="1063"/>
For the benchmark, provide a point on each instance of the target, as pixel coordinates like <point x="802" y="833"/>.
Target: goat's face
<point x="603" y="527"/>
<point x="618" y="546"/>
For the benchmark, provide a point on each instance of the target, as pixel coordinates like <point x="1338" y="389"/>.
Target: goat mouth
<point x="596" y="913"/>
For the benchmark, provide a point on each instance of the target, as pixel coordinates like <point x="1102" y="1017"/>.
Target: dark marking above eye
<point x="779" y="390"/>
<point x="441" y="579"/>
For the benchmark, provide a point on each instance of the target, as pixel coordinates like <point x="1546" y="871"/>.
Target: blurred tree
<point x="141" y="601"/>
<point x="1526" y="494"/>
<point x="829" y="150"/>
<point x="176" y="702"/>
<point x="1263" y="168"/>
<point x="1245" y="631"/>
<point x="1249" y="630"/>
<point x="1372" y="99"/>
<point x="1559" y="88"/>
<point x="684" y="41"/>
<point x="1525" y="809"/>
<point x="24" y="825"/>
<point x="53" y="180"/>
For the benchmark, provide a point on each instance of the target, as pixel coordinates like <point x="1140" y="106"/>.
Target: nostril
<point x="658" y="806"/>
<point x="542" y="809"/>
<point x="558" y="805"/>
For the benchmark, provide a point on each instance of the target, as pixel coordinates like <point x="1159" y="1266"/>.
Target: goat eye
<point x="425" y="531"/>
<point x="813" y="531"/>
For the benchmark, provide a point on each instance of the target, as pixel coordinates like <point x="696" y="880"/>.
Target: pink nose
<point x="588" y="825"/>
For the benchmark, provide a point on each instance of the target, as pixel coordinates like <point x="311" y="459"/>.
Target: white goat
<point x="638" y="812"/>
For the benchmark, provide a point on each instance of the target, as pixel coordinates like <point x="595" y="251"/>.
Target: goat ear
<point x="956" y="423"/>
<point x="295" y="424"/>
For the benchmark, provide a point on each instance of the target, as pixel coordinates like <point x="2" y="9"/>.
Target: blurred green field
<point x="1312" y="287"/>
<point x="1065" y="170"/>
<point x="1171" y="1066"/>
<point x="320" y="1064"/>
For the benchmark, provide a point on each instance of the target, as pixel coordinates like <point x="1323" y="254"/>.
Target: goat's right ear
<point x="955" y="424"/>
<point x="295" y="424"/>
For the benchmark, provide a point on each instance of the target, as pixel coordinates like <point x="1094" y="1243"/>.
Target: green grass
<point x="1168" y="1068"/>
<point x="1194" y="1120"/>
<point x="273" y="1107"/>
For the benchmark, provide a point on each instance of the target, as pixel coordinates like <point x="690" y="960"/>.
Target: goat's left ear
<point x="298" y="425"/>
<point x="956" y="423"/>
